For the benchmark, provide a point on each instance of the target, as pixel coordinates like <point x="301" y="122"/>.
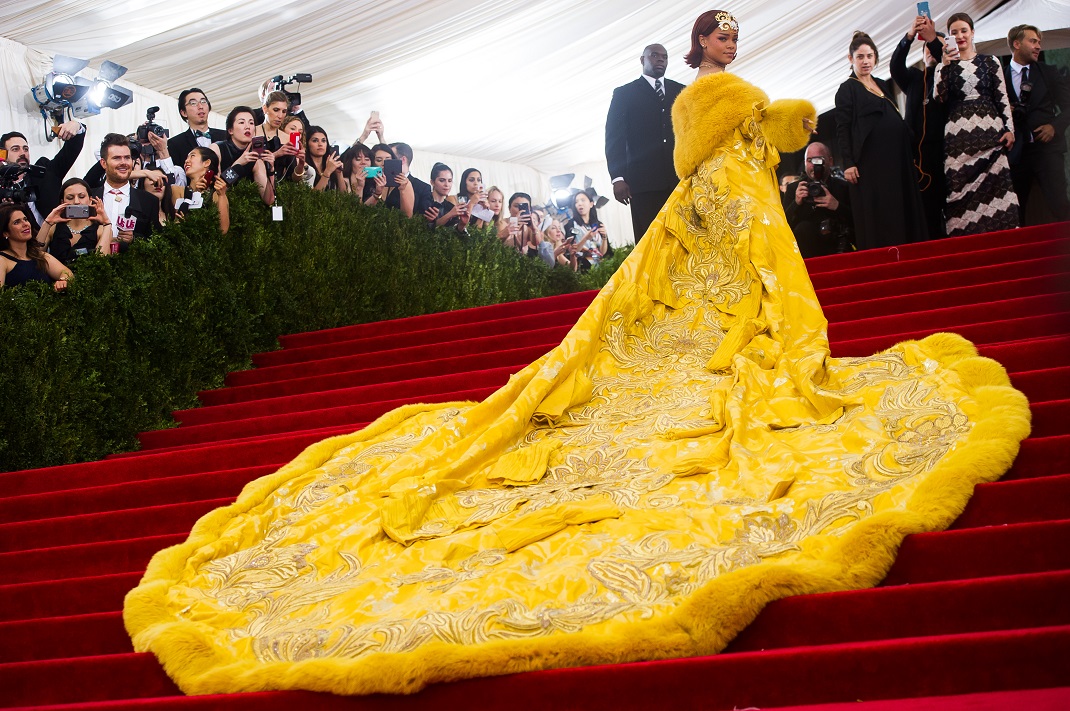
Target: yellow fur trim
<point x="705" y="114"/>
<point x="703" y="625"/>
<point x="783" y="124"/>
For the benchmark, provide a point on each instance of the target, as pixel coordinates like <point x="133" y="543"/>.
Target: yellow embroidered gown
<point x="687" y="454"/>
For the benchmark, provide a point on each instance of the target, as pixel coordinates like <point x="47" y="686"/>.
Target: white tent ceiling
<point x="515" y="81"/>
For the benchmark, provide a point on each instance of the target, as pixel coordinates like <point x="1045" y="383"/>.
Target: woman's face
<point x="154" y="186"/>
<point x="474" y="183"/>
<point x="19" y="228"/>
<point x="443" y="183"/>
<point x="554" y="231"/>
<point x="863" y="60"/>
<point x="76" y="195"/>
<point x="242" y="133"/>
<point x="293" y="125"/>
<point x="582" y="203"/>
<point x="359" y="162"/>
<point x="381" y="157"/>
<point x="514" y="206"/>
<point x="494" y="201"/>
<point x="720" y="46"/>
<point x="962" y="33"/>
<point x="195" y="165"/>
<point x="275" y="113"/>
<point x="317" y="145"/>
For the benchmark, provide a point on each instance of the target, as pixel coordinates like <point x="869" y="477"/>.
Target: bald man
<point x="639" y="139"/>
<point x="818" y="207"/>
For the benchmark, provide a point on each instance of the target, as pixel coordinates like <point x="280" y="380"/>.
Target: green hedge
<point x="136" y="337"/>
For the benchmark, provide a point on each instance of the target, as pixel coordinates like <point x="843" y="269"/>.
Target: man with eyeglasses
<point x="194" y="107"/>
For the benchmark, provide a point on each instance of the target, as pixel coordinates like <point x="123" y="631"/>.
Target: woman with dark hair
<point x="355" y="162"/>
<point x="470" y="195"/>
<point x="202" y="164"/>
<point x="876" y="148"/>
<point x="236" y="159"/>
<point x="406" y="198"/>
<point x="320" y="157"/>
<point x="65" y="238"/>
<point x="977" y="136"/>
<point x="22" y="258"/>
<point x="689" y="453"/>
<point x="588" y="240"/>
<point x="445" y="210"/>
<point x="519" y="230"/>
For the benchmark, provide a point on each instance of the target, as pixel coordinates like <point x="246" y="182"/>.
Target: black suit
<point x="49" y="187"/>
<point x="1047" y="103"/>
<point x="179" y="146"/>
<point x="143" y="206"/>
<point x="421" y="196"/>
<point x="805" y="220"/>
<point x="639" y="146"/>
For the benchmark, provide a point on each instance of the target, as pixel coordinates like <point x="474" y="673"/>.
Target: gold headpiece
<point x="725" y="22"/>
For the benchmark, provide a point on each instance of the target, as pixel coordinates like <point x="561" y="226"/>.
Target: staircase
<point x="976" y="617"/>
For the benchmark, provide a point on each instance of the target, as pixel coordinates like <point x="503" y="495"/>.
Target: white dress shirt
<point x="1016" y="77"/>
<point x="115" y="200"/>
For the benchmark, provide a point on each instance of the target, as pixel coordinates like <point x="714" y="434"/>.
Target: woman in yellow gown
<point x="687" y="454"/>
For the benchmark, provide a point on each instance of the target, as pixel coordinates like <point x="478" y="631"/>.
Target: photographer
<point x="70" y="233"/>
<point x="588" y="241"/>
<point x="47" y="187"/>
<point x="139" y="211"/>
<point x="818" y="207"/>
<point x="241" y="158"/>
<point x="194" y="107"/>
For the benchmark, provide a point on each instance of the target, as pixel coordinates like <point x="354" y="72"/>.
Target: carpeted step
<point x="83" y="559"/>
<point x="513" y="358"/>
<point x="72" y="596"/>
<point x="477" y="314"/>
<point x="1046" y="384"/>
<point x="945" y="664"/>
<point x="1057" y="699"/>
<point x="920" y="283"/>
<point x="1016" y="501"/>
<point x="936" y="267"/>
<point x="507" y="329"/>
<point x="1051" y="418"/>
<point x="949" y="247"/>
<point x="1041" y="456"/>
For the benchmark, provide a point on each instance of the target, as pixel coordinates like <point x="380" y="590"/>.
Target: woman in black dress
<point x="875" y="145"/>
<point x="22" y="259"/>
<point x="68" y="238"/>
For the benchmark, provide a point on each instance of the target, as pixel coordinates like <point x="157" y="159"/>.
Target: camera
<point x="815" y="187"/>
<point x="17" y="183"/>
<point x="280" y="83"/>
<point x="143" y="131"/>
<point x="835" y="230"/>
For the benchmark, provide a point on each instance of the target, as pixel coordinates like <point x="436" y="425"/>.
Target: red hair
<point x="705" y="25"/>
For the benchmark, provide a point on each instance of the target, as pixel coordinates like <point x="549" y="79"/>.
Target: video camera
<point x="143" y="132"/>
<point x="17" y="183"/>
<point x="281" y="83"/>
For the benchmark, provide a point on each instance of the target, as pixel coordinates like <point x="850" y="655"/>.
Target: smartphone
<point x="78" y="212"/>
<point x="372" y="171"/>
<point x="525" y="212"/>
<point x="209" y="177"/>
<point x="295" y="139"/>
<point x="923" y="9"/>
<point x="392" y="168"/>
<point x="375" y="115"/>
<point x="259" y="145"/>
<point x="952" y="45"/>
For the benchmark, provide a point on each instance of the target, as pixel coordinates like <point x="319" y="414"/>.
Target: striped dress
<point x="980" y="195"/>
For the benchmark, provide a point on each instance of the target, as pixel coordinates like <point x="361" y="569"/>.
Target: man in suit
<point x="639" y="140"/>
<point x="822" y="223"/>
<point x="194" y="107"/>
<point x="1040" y="97"/>
<point x="72" y="133"/>
<point x="121" y="199"/>
<point x="421" y="191"/>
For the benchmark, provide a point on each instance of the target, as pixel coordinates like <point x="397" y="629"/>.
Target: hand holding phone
<point x="923" y="10"/>
<point x="295" y="140"/>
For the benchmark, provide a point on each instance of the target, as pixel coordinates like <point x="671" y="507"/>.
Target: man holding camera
<point x="1040" y="104"/>
<point x="194" y="107"/>
<point x="640" y="142"/>
<point x="72" y="133"/>
<point x="818" y="207"/>
<point x="131" y="211"/>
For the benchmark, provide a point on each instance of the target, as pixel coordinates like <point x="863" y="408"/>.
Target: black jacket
<point x="924" y="115"/>
<point x="421" y="197"/>
<point x="143" y="205"/>
<point x="639" y="137"/>
<point x="853" y="122"/>
<point x="1048" y="103"/>
<point x="179" y="146"/>
<point x="49" y="193"/>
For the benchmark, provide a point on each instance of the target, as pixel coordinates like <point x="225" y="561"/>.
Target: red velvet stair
<point x="975" y="617"/>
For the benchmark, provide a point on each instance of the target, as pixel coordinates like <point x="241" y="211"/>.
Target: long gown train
<point x="687" y="454"/>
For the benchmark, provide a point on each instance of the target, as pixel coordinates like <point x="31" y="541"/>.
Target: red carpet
<point x="971" y="618"/>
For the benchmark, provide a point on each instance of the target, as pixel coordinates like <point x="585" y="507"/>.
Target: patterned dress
<point x="980" y="195"/>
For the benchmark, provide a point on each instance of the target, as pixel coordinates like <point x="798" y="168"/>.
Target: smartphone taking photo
<point x="258" y="145"/>
<point x="392" y="168"/>
<point x="78" y="212"/>
<point x="923" y="10"/>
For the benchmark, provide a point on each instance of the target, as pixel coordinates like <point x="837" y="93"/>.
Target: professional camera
<point x="17" y="183"/>
<point x="280" y="83"/>
<point x="836" y="231"/>
<point x="815" y="187"/>
<point x="143" y="131"/>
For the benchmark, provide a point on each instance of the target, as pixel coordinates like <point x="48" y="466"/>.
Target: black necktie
<point x="659" y="89"/>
